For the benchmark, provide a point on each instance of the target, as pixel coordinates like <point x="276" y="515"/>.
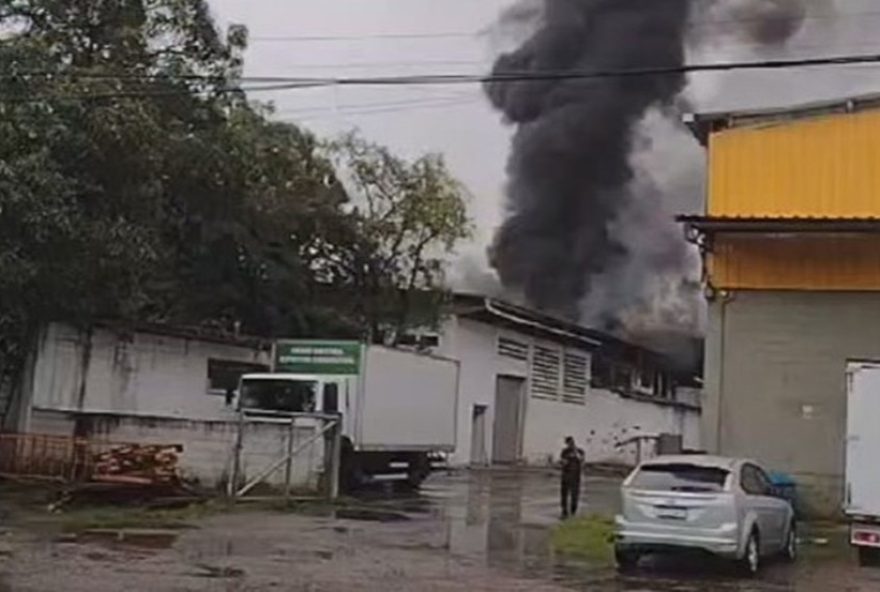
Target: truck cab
<point x="397" y="408"/>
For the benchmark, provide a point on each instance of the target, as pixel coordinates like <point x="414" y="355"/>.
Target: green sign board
<point x="318" y="357"/>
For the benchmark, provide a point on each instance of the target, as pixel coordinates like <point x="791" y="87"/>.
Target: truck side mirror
<point x="230" y="397"/>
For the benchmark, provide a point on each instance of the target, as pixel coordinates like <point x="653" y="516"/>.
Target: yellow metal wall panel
<point x="822" y="167"/>
<point x="796" y="262"/>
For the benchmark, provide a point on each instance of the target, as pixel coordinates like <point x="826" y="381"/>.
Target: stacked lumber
<point x="136" y="464"/>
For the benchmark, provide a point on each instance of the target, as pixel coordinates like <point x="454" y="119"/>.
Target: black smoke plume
<point x="589" y="233"/>
<point x="570" y="169"/>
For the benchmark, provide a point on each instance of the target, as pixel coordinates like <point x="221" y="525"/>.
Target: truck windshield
<point x="680" y="477"/>
<point x="292" y="396"/>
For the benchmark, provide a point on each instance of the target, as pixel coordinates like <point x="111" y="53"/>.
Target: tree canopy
<point x="138" y="182"/>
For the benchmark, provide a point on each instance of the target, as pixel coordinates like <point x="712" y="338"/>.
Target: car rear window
<point x="680" y="477"/>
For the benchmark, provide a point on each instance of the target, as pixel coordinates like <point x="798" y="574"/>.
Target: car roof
<point x="699" y="460"/>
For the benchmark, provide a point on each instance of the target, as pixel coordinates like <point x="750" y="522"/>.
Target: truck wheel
<point x="420" y="469"/>
<point x="750" y="564"/>
<point x="869" y="557"/>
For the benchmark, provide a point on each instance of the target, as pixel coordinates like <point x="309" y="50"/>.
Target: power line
<point x="280" y="83"/>
<point x="693" y="24"/>
<point x="440" y="104"/>
<point x="320" y="38"/>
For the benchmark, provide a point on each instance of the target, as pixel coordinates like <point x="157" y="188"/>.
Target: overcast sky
<point x="360" y="38"/>
<point x="364" y="38"/>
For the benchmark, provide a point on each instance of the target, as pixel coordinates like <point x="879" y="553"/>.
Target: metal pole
<point x="236" y="457"/>
<point x="335" y="460"/>
<point x="288" y="469"/>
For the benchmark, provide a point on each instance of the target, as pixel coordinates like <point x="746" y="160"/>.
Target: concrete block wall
<point x="776" y="381"/>
<point x="208" y="446"/>
<point x="607" y="420"/>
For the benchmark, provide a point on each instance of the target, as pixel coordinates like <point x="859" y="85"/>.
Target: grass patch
<point x="590" y="538"/>
<point x="107" y="517"/>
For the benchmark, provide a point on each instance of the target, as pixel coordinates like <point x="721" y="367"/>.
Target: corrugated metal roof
<point x="704" y="124"/>
<point x="796" y="261"/>
<point x="808" y="168"/>
<point x="759" y="224"/>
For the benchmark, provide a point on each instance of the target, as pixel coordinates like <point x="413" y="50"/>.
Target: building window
<point x="546" y="366"/>
<point x="575" y="371"/>
<point x="511" y="348"/>
<point x="422" y="341"/>
<point x="223" y="375"/>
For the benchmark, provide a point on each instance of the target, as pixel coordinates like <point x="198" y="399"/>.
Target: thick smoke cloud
<point x="589" y="231"/>
<point x="569" y="171"/>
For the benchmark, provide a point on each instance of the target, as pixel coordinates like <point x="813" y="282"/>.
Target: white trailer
<point x="862" y="504"/>
<point x="398" y="408"/>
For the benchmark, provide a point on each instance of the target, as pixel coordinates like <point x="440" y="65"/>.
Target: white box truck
<point x="398" y="408"/>
<point x="862" y="504"/>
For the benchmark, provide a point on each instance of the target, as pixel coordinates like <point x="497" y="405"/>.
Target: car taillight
<point x="868" y="538"/>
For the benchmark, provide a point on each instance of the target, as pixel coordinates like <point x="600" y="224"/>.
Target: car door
<point x="781" y="509"/>
<point x="759" y="501"/>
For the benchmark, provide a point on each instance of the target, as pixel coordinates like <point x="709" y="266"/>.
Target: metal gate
<point x="325" y="427"/>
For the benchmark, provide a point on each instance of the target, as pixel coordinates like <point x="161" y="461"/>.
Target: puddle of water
<point x="149" y="540"/>
<point x="370" y="515"/>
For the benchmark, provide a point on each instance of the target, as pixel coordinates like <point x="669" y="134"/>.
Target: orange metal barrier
<point x="61" y="458"/>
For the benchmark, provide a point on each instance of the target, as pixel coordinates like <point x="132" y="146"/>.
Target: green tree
<point x="138" y="183"/>
<point x="405" y="220"/>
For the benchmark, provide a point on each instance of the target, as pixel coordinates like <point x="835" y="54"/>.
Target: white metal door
<point x="863" y="438"/>
<point x="507" y="427"/>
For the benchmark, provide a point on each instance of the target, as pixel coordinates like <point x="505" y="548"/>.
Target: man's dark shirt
<point x="572" y="462"/>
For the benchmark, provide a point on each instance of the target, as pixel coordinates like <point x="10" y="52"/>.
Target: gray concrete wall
<point x="775" y="381"/>
<point x="208" y="446"/>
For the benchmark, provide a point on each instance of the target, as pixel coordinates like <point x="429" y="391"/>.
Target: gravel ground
<point x="480" y="532"/>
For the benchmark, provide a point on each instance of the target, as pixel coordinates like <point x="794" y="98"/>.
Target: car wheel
<point x="627" y="561"/>
<point x="789" y="553"/>
<point x="750" y="564"/>
<point x="869" y="557"/>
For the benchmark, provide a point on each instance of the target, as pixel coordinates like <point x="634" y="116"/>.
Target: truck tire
<point x="419" y="470"/>
<point x="869" y="557"/>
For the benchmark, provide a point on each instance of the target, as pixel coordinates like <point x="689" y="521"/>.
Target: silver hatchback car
<point x="725" y="506"/>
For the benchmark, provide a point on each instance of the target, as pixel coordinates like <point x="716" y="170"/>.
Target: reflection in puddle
<point x="154" y="540"/>
<point x="370" y="515"/>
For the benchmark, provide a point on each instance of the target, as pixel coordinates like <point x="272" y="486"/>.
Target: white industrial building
<point x="154" y="384"/>
<point x="528" y="380"/>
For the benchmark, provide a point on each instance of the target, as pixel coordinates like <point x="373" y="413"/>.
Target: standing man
<point x="572" y="461"/>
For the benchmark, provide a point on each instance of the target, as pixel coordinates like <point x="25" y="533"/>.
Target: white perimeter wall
<point x="605" y="420"/>
<point x="143" y="374"/>
<point x="208" y="446"/>
<point x="152" y="389"/>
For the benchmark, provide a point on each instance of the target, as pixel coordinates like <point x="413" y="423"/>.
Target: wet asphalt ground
<point x="470" y="531"/>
